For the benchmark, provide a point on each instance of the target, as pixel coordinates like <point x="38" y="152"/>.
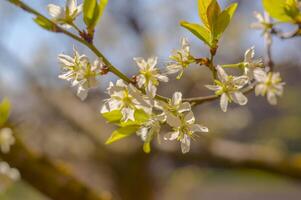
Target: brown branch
<point x="51" y="179"/>
<point x="230" y="154"/>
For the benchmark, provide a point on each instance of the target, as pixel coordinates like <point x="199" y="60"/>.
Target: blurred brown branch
<point x="229" y="154"/>
<point x="54" y="180"/>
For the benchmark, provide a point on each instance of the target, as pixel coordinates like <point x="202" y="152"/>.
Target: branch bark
<point x="49" y="178"/>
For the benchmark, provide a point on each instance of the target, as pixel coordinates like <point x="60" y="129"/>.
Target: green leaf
<point x="223" y="20"/>
<point x="278" y="9"/>
<point x="140" y="118"/>
<point x="92" y="12"/>
<point x="200" y="31"/>
<point x="45" y="24"/>
<point x="5" y="107"/>
<point x="202" y="7"/>
<point x="121" y="133"/>
<point x="115" y="116"/>
<point x="213" y="11"/>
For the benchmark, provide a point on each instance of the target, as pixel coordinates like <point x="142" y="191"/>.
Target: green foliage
<point x="283" y="10"/>
<point x="215" y="21"/>
<point x="92" y="11"/>
<point x="121" y="133"/>
<point x="4" y="111"/>
<point x="126" y="128"/>
<point x="45" y="24"/>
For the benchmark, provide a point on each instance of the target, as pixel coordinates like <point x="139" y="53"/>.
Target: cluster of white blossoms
<point x="127" y="99"/>
<point x="134" y="105"/>
<point x="230" y="87"/>
<point x="6" y="139"/>
<point x="65" y="15"/>
<point x="11" y="173"/>
<point x="80" y="72"/>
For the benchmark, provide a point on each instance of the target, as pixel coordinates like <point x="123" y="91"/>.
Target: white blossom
<point x="151" y="128"/>
<point x="181" y="59"/>
<point x="125" y="98"/>
<point x="6" y="139"/>
<point x="175" y="104"/>
<point x="250" y="64"/>
<point x="65" y="15"/>
<point x="228" y="87"/>
<point x="149" y="75"/>
<point x="264" y="24"/>
<point x="184" y="128"/>
<point x="269" y="84"/>
<point x="11" y="173"/>
<point x="80" y="72"/>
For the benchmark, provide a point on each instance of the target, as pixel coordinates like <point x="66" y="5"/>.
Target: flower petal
<point x="55" y="11"/>
<point x="239" y="98"/>
<point x="224" y="102"/>
<point x="185" y="144"/>
<point x="176" y="98"/>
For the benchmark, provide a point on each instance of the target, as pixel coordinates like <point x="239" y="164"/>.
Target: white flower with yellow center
<point x="184" y="128"/>
<point x="181" y="59"/>
<point x="125" y="98"/>
<point x="228" y="87"/>
<point x="269" y="84"/>
<point x="250" y="64"/>
<point x="80" y="72"/>
<point x="149" y="75"/>
<point x="65" y="15"/>
<point x="6" y="139"/>
<point x="175" y="104"/>
<point x="264" y="24"/>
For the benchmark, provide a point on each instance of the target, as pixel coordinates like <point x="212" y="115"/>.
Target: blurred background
<point x="52" y="121"/>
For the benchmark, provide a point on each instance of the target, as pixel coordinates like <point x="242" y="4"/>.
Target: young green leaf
<point x="121" y="133"/>
<point x="223" y="20"/>
<point x="202" y="7"/>
<point x="213" y="11"/>
<point x="92" y="12"/>
<point x="44" y="23"/>
<point x="4" y="110"/>
<point x="278" y="9"/>
<point x="200" y="31"/>
<point x="115" y="116"/>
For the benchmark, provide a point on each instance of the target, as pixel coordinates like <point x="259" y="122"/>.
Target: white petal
<point x="239" y="98"/>
<point x="213" y="87"/>
<point x="189" y="118"/>
<point x="152" y="62"/>
<point x="162" y="78"/>
<point x="224" y="102"/>
<point x="222" y="75"/>
<point x="176" y="98"/>
<point x="55" y="11"/>
<point x="172" y="120"/>
<point x="185" y="144"/>
<point x="151" y="90"/>
<point x="127" y="114"/>
<point x="72" y="5"/>
<point x="198" y="128"/>
<point x="241" y="81"/>
<point x="260" y="89"/>
<point x="82" y="93"/>
<point x="141" y="63"/>
<point x="184" y="107"/>
<point x="172" y="135"/>
<point x="272" y="99"/>
<point x="142" y="132"/>
<point x="260" y="75"/>
<point x="141" y="80"/>
<point x="249" y="55"/>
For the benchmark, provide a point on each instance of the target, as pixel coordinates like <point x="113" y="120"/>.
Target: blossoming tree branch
<point x="134" y="105"/>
